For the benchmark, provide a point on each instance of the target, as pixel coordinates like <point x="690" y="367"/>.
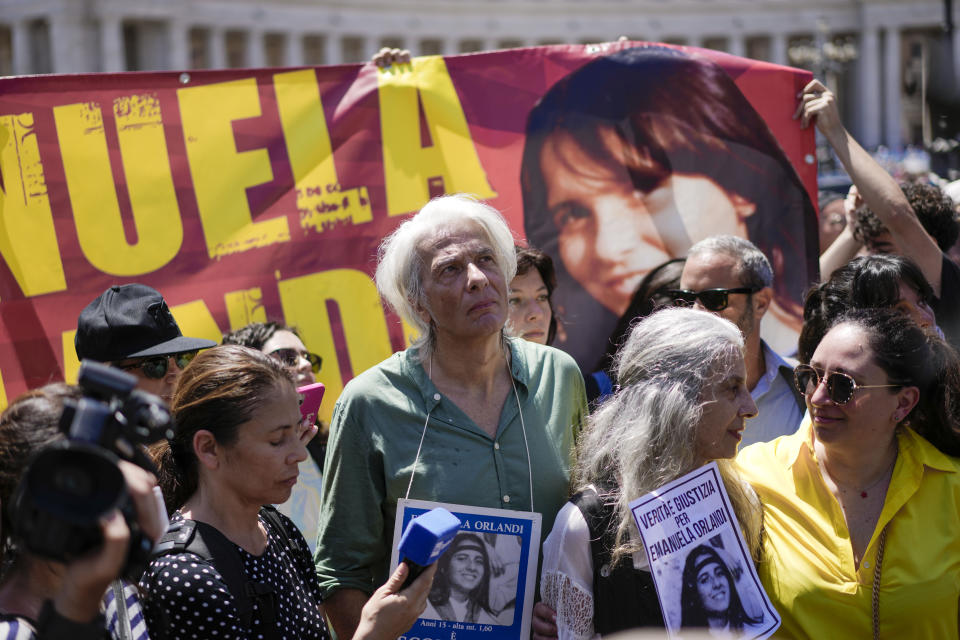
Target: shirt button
<point x="496" y="445"/>
<point x="866" y="564"/>
<point x="506" y="498"/>
<point x="436" y="396"/>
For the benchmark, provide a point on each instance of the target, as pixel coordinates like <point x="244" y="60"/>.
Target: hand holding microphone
<point x="425" y="539"/>
<point x="395" y="607"/>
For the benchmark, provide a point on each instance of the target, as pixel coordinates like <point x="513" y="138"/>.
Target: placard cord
<point x="523" y="430"/>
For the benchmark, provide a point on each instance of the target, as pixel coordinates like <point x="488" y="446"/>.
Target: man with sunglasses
<point x="731" y="277"/>
<point x="130" y="327"/>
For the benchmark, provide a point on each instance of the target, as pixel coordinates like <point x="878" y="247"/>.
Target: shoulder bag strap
<point x="123" y="630"/>
<point x="208" y="543"/>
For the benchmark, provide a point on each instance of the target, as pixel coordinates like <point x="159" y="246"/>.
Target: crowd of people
<point x="846" y="498"/>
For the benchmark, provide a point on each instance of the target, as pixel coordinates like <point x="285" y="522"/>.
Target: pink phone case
<point x="310" y="397"/>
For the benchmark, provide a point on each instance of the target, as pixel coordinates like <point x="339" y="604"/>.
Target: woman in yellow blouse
<point x="862" y="504"/>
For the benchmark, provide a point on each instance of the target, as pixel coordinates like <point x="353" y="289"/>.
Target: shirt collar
<point x="800" y="441"/>
<point x="772" y="363"/>
<point x="417" y="371"/>
<point x="518" y="360"/>
<point x="916" y="447"/>
<point x="912" y="447"/>
<point x="774" y="360"/>
<point x="770" y="371"/>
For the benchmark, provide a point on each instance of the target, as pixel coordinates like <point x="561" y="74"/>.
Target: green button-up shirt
<point x="376" y="428"/>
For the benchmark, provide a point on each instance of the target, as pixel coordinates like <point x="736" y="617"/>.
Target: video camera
<point x="70" y="485"/>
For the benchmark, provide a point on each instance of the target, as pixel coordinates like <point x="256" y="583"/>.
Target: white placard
<point x="500" y="603"/>
<point x="700" y="564"/>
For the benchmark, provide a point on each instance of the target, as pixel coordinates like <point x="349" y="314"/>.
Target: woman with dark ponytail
<point x="236" y="447"/>
<point x="866" y="282"/>
<point x="862" y="505"/>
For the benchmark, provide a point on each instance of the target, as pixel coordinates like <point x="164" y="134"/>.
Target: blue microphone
<point x="425" y="539"/>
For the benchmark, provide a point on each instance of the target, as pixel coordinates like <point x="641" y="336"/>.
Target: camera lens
<point x="66" y="489"/>
<point x="74" y="481"/>
<point x="78" y="482"/>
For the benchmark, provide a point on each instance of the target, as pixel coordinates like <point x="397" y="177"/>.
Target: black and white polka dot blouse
<point x="188" y="599"/>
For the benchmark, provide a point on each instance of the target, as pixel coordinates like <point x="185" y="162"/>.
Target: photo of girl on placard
<point x="484" y="585"/>
<point x="473" y="582"/>
<point x="710" y="594"/>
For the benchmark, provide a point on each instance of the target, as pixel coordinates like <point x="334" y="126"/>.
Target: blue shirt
<point x="779" y="411"/>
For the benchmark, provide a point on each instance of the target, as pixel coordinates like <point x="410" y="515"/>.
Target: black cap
<point x="130" y="321"/>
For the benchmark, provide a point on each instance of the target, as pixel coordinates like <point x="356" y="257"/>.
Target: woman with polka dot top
<point x="236" y="446"/>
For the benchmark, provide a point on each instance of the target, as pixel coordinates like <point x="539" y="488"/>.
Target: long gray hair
<point x="644" y="435"/>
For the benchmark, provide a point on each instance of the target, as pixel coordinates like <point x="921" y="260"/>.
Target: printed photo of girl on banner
<point x="635" y="156"/>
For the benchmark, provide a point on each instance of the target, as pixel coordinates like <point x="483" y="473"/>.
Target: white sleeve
<point x="566" y="579"/>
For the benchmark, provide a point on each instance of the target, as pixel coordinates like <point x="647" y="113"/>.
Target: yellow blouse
<point x="808" y="569"/>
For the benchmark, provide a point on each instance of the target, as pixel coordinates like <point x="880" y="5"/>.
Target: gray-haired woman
<point x="681" y="403"/>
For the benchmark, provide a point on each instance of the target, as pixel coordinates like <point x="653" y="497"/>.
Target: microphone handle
<point x="415" y="571"/>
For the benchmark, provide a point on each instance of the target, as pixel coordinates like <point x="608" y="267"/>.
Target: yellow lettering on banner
<point x="410" y="167"/>
<point x="71" y="365"/>
<point x="196" y="321"/>
<point x="3" y="394"/>
<point x="364" y="326"/>
<point x="221" y="174"/>
<point x="93" y="193"/>
<point x="244" y="306"/>
<point x="28" y="240"/>
<point x="321" y="201"/>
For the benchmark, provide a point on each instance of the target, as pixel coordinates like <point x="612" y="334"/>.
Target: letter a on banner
<point x="410" y="167"/>
<point x="322" y="201"/>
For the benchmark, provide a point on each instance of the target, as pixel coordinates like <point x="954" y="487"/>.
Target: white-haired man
<point x="489" y="420"/>
<point x="731" y="277"/>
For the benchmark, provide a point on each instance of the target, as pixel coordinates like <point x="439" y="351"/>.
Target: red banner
<point x="262" y="194"/>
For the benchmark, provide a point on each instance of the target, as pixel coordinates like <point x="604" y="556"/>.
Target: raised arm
<point x="845" y="246"/>
<point x="877" y="188"/>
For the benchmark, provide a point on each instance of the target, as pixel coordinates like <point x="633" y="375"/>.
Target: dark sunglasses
<point x="840" y="386"/>
<point x="157" y="367"/>
<point x="291" y="358"/>
<point x="711" y="299"/>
